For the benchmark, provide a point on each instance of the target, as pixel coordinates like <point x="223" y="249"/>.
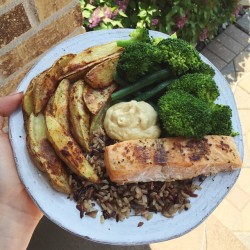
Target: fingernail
<point x="15" y="93"/>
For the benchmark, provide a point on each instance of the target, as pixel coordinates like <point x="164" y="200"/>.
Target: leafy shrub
<point x="193" y="20"/>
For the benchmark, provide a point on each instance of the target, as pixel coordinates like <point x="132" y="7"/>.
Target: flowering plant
<point x="192" y="20"/>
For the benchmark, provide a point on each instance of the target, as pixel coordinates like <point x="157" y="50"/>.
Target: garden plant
<point x="192" y="20"/>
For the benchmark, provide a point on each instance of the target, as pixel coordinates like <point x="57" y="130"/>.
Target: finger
<point x="8" y="104"/>
<point x="8" y="173"/>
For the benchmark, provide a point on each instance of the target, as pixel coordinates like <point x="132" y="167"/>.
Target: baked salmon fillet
<point x="169" y="159"/>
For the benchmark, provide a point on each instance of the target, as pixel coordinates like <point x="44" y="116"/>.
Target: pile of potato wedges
<point x="61" y="107"/>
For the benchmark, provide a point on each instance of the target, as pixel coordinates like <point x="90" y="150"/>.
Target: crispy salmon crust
<point x="170" y="159"/>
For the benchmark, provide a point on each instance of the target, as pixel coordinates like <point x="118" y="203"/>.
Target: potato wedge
<point x="46" y="86"/>
<point x="96" y="99"/>
<point x="101" y="75"/>
<point x="27" y="103"/>
<point x="80" y="73"/>
<point x="90" y="57"/>
<point x="43" y="154"/>
<point x="97" y="120"/>
<point x="68" y="150"/>
<point x="79" y="115"/>
<point x="59" y="103"/>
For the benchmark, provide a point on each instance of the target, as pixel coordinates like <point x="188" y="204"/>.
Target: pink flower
<point x="107" y="12"/>
<point x="181" y="21"/>
<point x="95" y="19"/>
<point x="237" y="10"/>
<point x="154" y="22"/>
<point x="203" y="36"/>
<point x="115" y="13"/>
<point x="122" y="4"/>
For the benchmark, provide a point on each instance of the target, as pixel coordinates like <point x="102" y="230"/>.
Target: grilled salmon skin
<point x="169" y="159"/>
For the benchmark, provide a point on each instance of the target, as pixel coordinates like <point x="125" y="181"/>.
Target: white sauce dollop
<point x="131" y="120"/>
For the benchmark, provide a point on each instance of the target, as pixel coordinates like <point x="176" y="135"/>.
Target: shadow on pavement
<point x="51" y="237"/>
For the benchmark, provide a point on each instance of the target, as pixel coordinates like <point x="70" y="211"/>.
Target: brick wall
<point x="28" y="28"/>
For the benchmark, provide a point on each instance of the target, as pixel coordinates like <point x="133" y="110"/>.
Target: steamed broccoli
<point x="138" y="35"/>
<point x="182" y="114"/>
<point x="200" y="85"/>
<point x="221" y="120"/>
<point x="137" y="60"/>
<point x="179" y="55"/>
<point x="203" y="68"/>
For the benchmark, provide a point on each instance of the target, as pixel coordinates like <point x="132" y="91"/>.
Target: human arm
<point x="18" y="213"/>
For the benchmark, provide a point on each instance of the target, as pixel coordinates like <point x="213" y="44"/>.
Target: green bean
<point x="153" y="92"/>
<point x="146" y="81"/>
<point x="119" y="80"/>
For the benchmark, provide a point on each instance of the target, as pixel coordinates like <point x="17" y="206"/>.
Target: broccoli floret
<point x="179" y="55"/>
<point x="138" y="35"/>
<point x="137" y="60"/>
<point x="182" y="114"/>
<point x="197" y="84"/>
<point x="221" y="120"/>
<point x="204" y="68"/>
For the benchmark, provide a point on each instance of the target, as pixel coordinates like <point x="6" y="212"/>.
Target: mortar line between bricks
<point x="18" y="72"/>
<point x="31" y="63"/>
<point x="9" y="6"/>
<point x="33" y="31"/>
<point x="31" y="13"/>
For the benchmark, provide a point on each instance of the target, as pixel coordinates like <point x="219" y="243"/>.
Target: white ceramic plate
<point x="63" y="212"/>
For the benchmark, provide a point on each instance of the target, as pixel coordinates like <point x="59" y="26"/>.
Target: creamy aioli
<point x="131" y="120"/>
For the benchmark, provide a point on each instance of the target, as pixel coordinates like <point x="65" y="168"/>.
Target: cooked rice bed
<point x="122" y="201"/>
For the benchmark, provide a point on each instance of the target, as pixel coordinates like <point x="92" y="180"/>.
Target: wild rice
<point x="120" y="201"/>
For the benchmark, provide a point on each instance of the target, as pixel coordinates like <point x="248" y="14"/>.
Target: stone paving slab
<point x="242" y="98"/>
<point x="221" y="51"/>
<point x="238" y="35"/>
<point x="229" y="43"/>
<point x="219" y="63"/>
<point x="242" y="61"/>
<point x="229" y="73"/>
<point x="245" y="2"/>
<point x="238" y="197"/>
<point x="194" y="240"/>
<point x="245" y="121"/>
<point x="246" y="160"/>
<point x="244" y="237"/>
<point x="244" y="23"/>
<point x="244" y="83"/>
<point x="219" y="237"/>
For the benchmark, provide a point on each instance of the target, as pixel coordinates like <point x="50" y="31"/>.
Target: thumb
<point x="8" y="104"/>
